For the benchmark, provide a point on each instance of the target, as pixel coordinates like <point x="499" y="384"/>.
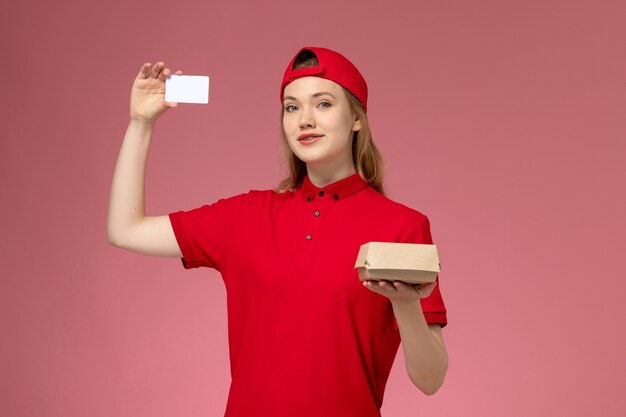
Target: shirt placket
<point x="316" y="209"/>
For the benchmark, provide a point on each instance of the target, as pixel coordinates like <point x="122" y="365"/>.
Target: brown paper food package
<point x="408" y="262"/>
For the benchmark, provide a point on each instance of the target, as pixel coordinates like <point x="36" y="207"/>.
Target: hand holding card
<point x="187" y="89"/>
<point x="147" y="94"/>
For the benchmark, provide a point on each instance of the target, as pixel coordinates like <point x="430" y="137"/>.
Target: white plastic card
<point x="187" y="89"/>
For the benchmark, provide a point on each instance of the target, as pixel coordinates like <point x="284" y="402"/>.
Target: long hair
<point x="366" y="157"/>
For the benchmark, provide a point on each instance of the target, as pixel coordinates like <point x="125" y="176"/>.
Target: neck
<point x="322" y="175"/>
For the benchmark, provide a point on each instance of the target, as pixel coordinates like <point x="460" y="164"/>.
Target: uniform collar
<point x="337" y="190"/>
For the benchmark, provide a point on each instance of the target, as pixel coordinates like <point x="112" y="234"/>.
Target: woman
<point x="305" y="337"/>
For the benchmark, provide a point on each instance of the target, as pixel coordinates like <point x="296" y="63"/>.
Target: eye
<point x="290" y="108"/>
<point x="324" y="104"/>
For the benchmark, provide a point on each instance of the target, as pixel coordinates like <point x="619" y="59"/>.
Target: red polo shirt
<point x="306" y="337"/>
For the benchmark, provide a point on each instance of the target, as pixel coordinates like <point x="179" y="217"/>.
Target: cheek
<point x="340" y="123"/>
<point x="289" y="123"/>
<point x="343" y="130"/>
<point x="348" y="123"/>
<point x="284" y="123"/>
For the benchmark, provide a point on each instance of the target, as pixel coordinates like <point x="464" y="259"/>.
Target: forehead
<point x="306" y="86"/>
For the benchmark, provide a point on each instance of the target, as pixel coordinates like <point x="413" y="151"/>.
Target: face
<point x="318" y="122"/>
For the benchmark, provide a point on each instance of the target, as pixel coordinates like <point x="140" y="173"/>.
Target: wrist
<point x="141" y="123"/>
<point x="403" y="305"/>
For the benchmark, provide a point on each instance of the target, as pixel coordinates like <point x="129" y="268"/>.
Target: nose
<point x="307" y="120"/>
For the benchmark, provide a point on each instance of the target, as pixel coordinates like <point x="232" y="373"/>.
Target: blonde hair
<point x="366" y="157"/>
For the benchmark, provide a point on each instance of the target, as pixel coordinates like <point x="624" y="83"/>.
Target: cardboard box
<point x="408" y="262"/>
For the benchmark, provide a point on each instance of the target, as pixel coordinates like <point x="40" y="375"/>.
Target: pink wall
<point x="501" y="120"/>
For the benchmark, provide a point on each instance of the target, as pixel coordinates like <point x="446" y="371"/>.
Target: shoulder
<point x="392" y="221"/>
<point x="261" y="195"/>
<point x="394" y="209"/>
<point x="252" y="199"/>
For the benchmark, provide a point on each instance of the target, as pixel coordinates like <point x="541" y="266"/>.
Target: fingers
<point x="167" y="72"/>
<point x="399" y="288"/>
<point x="380" y="285"/>
<point x="404" y="287"/>
<point x="388" y="289"/>
<point x="150" y="71"/>
<point x="157" y="70"/>
<point x="143" y="72"/>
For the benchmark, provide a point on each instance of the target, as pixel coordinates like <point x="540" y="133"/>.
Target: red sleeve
<point x="432" y="306"/>
<point x="203" y="234"/>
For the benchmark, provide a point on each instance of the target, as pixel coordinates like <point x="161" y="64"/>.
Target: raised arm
<point x="128" y="227"/>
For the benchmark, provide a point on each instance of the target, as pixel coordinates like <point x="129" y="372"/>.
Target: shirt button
<point x="309" y="237"/>
<point x="317" y="213"/>
<point x="336" y="197"/>
<point x="321" y="193"/>
<point x="308" y="198"/>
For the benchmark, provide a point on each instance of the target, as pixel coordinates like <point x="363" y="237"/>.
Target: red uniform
<point x="306" y="337"/>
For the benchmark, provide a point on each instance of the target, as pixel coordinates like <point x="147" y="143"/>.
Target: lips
<point x="308" y="136"/>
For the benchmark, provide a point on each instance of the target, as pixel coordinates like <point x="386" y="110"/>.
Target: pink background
<point x="503" y="121"/>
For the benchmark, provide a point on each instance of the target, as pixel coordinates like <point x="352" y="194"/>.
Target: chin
<point x="309" y="157"/>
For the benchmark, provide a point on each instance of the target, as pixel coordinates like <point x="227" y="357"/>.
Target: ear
<point x="356" y="124"/>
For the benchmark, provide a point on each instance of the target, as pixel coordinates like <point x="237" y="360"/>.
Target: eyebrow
<point x="321" y="93"/>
